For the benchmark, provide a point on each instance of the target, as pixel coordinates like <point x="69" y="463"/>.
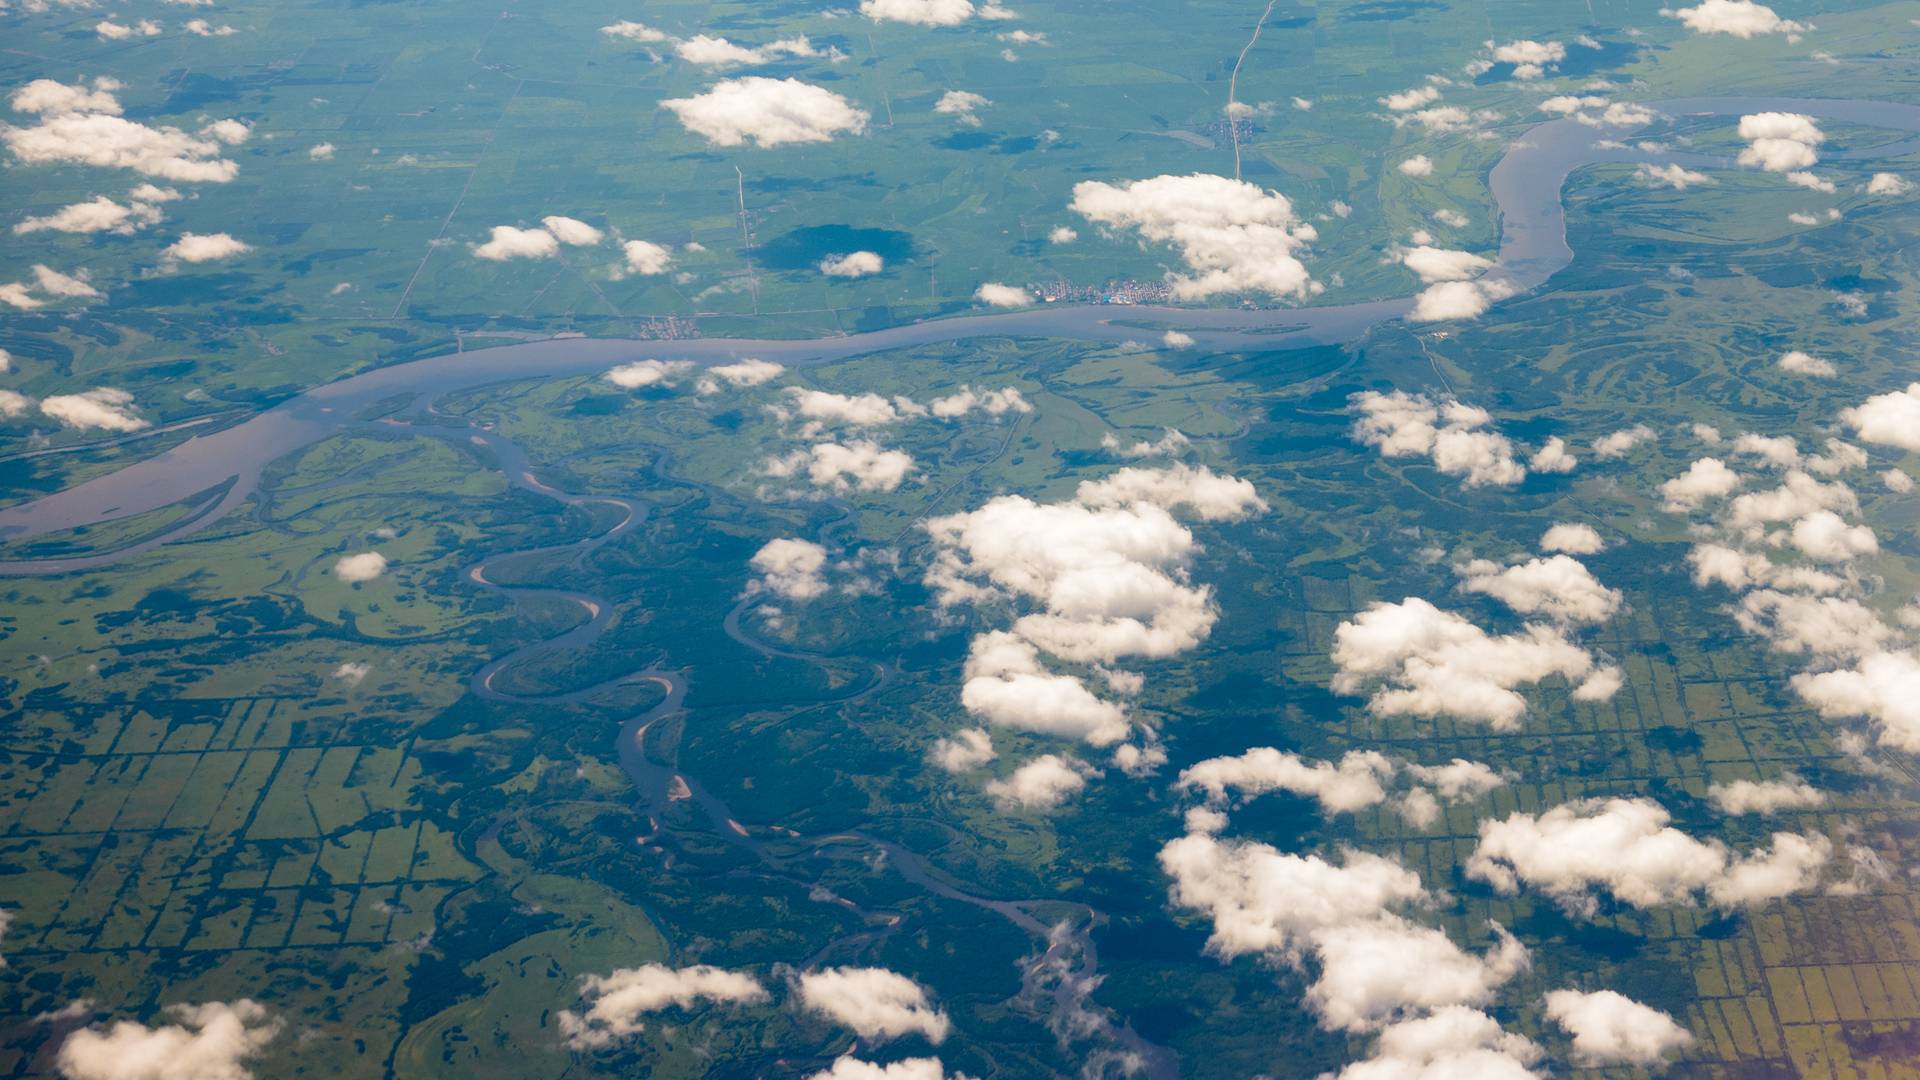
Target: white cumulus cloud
<point x="1738" y="18"/>
<point x="365" y="566"/>
<point x="105" y="407"/>
<point x="1234" y="236"/>
<point x="1609" y="1028"/>
<point x="767" y="112"/>
<point x="875" y="1003"/>
<point x="1627" y="848"/>
<point x="210" y="1041"/>
<point x="616" y="1002"/>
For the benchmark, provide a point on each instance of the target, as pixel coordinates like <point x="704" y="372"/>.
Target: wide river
<point x="1526" y="186"/>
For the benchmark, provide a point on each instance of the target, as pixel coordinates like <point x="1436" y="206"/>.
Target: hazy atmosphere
<point x="959" y="539"/>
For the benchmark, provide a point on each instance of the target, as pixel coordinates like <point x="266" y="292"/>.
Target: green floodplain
<point x="227" y="773"/>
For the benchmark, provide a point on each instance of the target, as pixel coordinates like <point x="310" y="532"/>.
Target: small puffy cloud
<point x="1558" y="586"/>
<point x="859" y="463"/>
<point x="1738" y="18"/>
<point x="1413" y="425"/>
<point x="1890" y="419"/>
<point x="1442" y="118"/>
<point x="1828" y="627"/>
<point x="104" y="407"/>
<point x="919" y="12"/>
<point x="1434" y="264"/>
<point x="1261" y="900"/>
<point x="1007" y="686"/>
<point x="628" y="30"/>
<point x="1454" y="1041"/>
<point x="852" y="265"/>
<point x="1234" y="236"/>
<point x="1812" y="183"/>
<point x="109" y="30"/>
<point x="204" y="247"/>
<point x="365" y="566"/>
<point x="1530" y="59"/>
<point x="203" y="28"/>
<point x="1407" y="100"/>
<point x="1802" y="364"/>
<point x="1062" y="234"/>
<point x="994" y="294"/>
<point x="1573" y="539"/>
<point x="13" y="403"/>
<point x="211" y="1041"/>
<point x="353" y="673"/>
<point x="1609" y="1028"/>
<point x="1553" y="457"/>
<point x="1360" y="779"/>
<point x="1167" y="445"/>
<point x="963" y="104"/>
<point x="571" y="231"/>
<point x="790" y="568"/>
<point x="1841" y="456"/>
<point x="47" y="97"/>
<point x="646" y="258"/>
<point x="875" y="1003"/>
<point x="999" y="402"/>
<point x="739" y="374"/>
<point x="1780" y="141"/>
<point x="1357" y="781"/>
<point x="1765" y="796"/>
<point x="231" y="132"/>
<point x="1451" y="300"/>
<point x="75" y="130"/>
<point x="1825" y="536"/>
<point x="1109" y="568"/>
<point x="1798" y="495"/>
<point x="15" y="294"/>
<point x="1174" y="339"/>
<point x="1673" y="176"/>
<point x="616" y="1002"/>
<point x="1290" y="907"/>
<point x="320" y="151"/>
<point x="1707" y="478"/>
<point x="100" y="214"/>
<point x="822" y="408"/>
<point x="72" y="286"/>
<point x="1568" y="104"/>
<point x="1041" y="784"/>
<point x="1617" y="444"/>
<point x="1417" y="165"/>
<point x="509" y="242"/>
<point x="1883" y="687"/>
<point x="767" y="112"/>
<point x="1207" y="494"/>
<point x="966" y="749"/>
<point x="1414" y="659"/>
<point x="1627" y="848"/>
<point x="1886" y="183"/>
<point x="852" y="1068"/>
<point x="647" y="373"/>
<point x="710" y="51"/>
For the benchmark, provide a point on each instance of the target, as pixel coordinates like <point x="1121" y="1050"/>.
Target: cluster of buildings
<point x="1127" y="291"/>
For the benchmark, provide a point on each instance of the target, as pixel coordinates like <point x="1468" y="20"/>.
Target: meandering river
<point x="222" y="469"/>
<point x="218" y="472"/>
